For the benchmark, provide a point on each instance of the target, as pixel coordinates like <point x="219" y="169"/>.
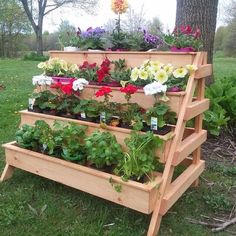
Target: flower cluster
<point x="119" y="6"/>
<point x="90" y="32"/>
<point x="152" y="40"/>
<point x="129" y="90"/>
<point x="41" y="80"/>
<point x="66" y="89"/>
<point x="184" y="37"/>
<point x="103" y="91"/>
<point x="154" y="88"/>
<point x="58" y="67"/>
<point x="79" y="84"/>
<point x="104" y="69"/>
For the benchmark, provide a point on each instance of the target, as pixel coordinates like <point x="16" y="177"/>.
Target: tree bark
<point x="201" y="14"/>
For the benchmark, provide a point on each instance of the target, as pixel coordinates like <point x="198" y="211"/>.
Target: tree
<point x="202" y="14"/>
<point x="13" y="26"/>
<point x="219" y="38"/>
<point x="36" y="13"/>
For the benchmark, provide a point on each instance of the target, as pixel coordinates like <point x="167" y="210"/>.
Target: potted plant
<point x="70" y="41"/>
<point x="184" y="39"/>
<point x="91" y="39"/>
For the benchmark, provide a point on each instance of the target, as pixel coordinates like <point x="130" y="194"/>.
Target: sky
<point x="163" y="9"/>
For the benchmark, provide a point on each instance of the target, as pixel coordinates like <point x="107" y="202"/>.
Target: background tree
<point x="37" y="12"/>
<point x="13" y="27"/>
<point x="202" y="14"/>
<point x="219" y="38"/>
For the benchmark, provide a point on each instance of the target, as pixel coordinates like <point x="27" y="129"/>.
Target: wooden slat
<point x="180" y="185"/>
<point x="7" y="172"/>
<point x="203" y="71"/>
<point x="188" y="145"/>
<point x="195" y="108"/>
<point x="133" y="194"/>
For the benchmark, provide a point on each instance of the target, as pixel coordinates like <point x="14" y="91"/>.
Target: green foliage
<point x="33" y="56"/>
<point x="103" y="149"/>
<point x="120" y="40"/>
<point x="45" y="100"/>
<point x="222" y="95"/>
<point x="70" y="138"/>
<point x="162" y="112"/>
<point x="120" y="72"/>
<point x="140" y="160"/>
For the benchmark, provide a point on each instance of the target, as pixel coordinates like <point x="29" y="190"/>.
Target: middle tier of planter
<point x="175" y="102"/>
<point x="120" y="133"/>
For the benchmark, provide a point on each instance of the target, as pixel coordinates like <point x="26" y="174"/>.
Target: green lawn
<point x="71" y="212"/>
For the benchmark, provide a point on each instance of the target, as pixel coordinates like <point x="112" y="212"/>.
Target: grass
<point x="31" y="205"/>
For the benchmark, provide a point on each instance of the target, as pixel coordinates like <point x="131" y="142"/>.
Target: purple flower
<point x="153" y="40"/>
<point x="93" y="33"/>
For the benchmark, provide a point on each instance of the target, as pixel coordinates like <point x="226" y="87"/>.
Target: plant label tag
<point x="31" y="103"/>
<point x="103" y="117"/>
<point x="153" y="123"/>
<point x="83" y="115"/>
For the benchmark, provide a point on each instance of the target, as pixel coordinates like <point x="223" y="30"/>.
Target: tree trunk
<point x="39" y="41"/>
<point x="201" y="14"/>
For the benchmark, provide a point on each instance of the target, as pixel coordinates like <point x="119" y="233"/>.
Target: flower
<point x="154" y="88"/>
<point x="184" y="37"/>
<point x="191" y="68"/>
<point x="129" y="90"/>
<point x="143" y="74"/>
<point x="104" y="70"/>
<point x="79" y="84"/>
<point x="134" y="74"/>
<point x="153" y="40"/>
<point x="180" y="72"/>
<point x="161" y="76"/>
<point x="119" y="6"/>
<point x="103" y="91"/>
<point x="41" y="80"/>
<point x="168" y="69"/>
<point x="64" y="88"/>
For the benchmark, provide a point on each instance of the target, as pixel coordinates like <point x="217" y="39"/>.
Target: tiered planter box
<point x="182" y="146"/>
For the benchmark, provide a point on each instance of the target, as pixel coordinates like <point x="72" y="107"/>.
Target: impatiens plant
<point x="88" y="71"/>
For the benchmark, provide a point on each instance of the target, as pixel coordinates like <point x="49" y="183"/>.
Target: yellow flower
<point x="73" y="68"/>
<point x="168" y="69"/>
<point x="143" y="74"/>
<point x="119" y="6"/>
<point x="63" y="65"/>
<point x="134" y="74"/>
<point x="191" y="68"/>
<point x="161" y="76"/>
<point x="42" y="65"/>
<point x="156" y="64"/>
<point x="180" y="72"/>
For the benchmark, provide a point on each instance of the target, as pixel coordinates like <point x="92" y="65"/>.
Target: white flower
<point x="191" y="67"/>
<point x="143" y="74"/>
<point x="41" y="80"/>
<point x="180" y="72"/>
<point x="79" y="84"/>
<point x="154" y="88"/>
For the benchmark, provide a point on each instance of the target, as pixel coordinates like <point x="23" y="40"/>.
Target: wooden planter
<point x="135" y="195"/>
<point x="176" y="98"/>
<point x="120" y="133"/>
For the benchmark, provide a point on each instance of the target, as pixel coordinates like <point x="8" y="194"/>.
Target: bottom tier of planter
<point x="134" y="195"/>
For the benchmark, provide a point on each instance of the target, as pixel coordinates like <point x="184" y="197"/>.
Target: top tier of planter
<point x="132" y="59"/>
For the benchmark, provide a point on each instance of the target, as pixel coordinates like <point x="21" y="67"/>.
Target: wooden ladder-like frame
<point x="181" y="148"/>
<point x="185" y="143"/>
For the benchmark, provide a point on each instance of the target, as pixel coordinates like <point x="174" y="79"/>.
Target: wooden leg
<point x="155" y="222"/>
<point x="196" y="159"/>
<point x="7" y="172"/>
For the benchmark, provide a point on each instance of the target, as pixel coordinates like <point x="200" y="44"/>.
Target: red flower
<point x="186" y="29"/>
<point x="106" y="62"/>
<point x="86" y="65"/>
<point x="197" y="33"/>
<point x="129" y="89"/>
<point x="65" y="88"/>
<point x="104" y="70"/>
<point x="103" y="91"/>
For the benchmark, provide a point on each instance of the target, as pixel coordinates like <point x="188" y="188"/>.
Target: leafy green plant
<point x="103" y="149"/>
<point x="67" y="103"/>
<point x="140" y="160"/>
<point x="162" y="112"/>
<point x="119" y="40"/>
<point x="69" y="137"/>
<point x="120" y="72"/>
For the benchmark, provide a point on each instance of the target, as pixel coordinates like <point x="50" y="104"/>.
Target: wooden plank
<point x="7" y="172"/>
<point x="180" y="185"/>
<point x="133" y="195"/>
<point x="188" y="145"/>
<point x="203" y="71"/>
<point x="196" y="108"/>
<point x="132" y="58"/>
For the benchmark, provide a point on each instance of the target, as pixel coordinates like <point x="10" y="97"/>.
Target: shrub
<point x="33" y="56"/>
